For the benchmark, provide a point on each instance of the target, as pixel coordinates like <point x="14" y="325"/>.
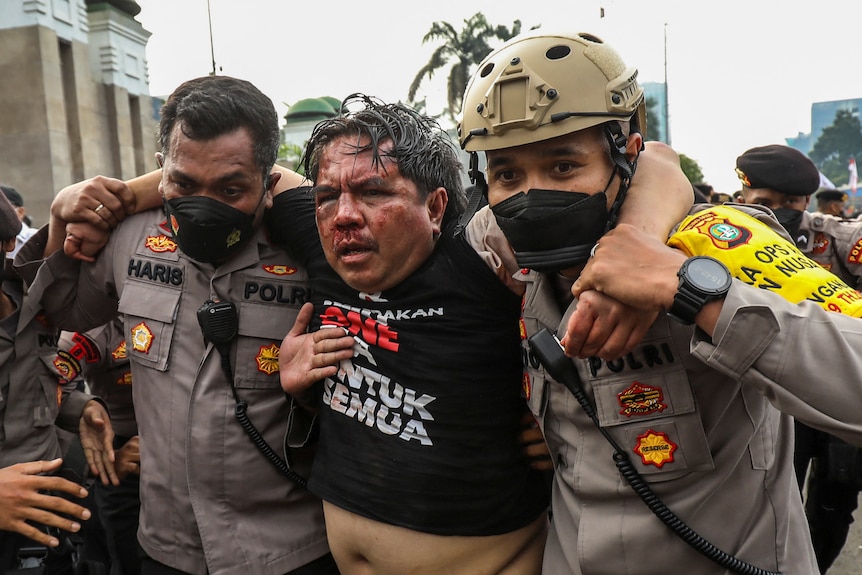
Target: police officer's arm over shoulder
<point x="100" y="202"/>
<point x="83" y="214"/>
<point x="660" y="195"/>
<point x="782" y="363"/>
<point x="644" y="278"/>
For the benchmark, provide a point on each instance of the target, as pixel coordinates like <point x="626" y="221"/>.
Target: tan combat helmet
<point x="543" y="84"/>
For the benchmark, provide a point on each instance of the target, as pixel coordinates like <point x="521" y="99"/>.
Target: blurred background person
<point x="832" y="202"/>
<point x="17" y="201"/>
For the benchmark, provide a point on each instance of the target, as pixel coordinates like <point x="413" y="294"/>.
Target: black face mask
<point x="790" y="220"/>
<point x="208" y="230"/>
<point x="551" y="230"/>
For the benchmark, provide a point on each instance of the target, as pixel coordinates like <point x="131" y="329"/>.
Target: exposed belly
<point x="362" y="546"/>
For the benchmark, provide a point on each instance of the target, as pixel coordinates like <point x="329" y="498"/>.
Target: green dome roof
<point x="312" y="109"/>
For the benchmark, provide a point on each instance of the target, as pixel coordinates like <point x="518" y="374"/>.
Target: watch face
<point x="708" y="275"/>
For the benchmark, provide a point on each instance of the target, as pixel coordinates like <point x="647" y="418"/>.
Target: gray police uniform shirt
<point x="99" y="357"/>
<point x="31" y="397"/>
<point x="834" y="243"/>
<point x="211" y="502"/>
<point x="700" y="419"/>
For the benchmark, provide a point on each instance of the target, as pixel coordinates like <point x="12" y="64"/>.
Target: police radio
<point x="219" y="323"/>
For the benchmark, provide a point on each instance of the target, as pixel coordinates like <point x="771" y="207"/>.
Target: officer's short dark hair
<point x="212" y="106"/>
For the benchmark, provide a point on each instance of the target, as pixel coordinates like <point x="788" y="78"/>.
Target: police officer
<point x="214" y="500"/>
<point x="832" y="202"/>
<point x="31" y="402"/>
<point x="99" y="357"/>
<point x="783" y="179"/>
<point x="558" y="116"/>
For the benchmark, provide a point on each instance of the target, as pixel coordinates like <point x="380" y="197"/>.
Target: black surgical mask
<point x="551" y="230"/>
<point x="790" y="220"/>
<point x="208" y="230"/>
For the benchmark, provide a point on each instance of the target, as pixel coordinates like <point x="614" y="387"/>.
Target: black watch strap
<point x="702" y="279"/>
<point x="685" y="308"/>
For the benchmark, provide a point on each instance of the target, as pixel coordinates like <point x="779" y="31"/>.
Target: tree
<point x="463" y="51"/>
<point x="836" y="145"/>
<point x="289" y="156"/>
<point x="691" y="169"/>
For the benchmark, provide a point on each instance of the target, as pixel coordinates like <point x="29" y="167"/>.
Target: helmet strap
<point x="617" y="140"/>
<point x="479" y="195"/>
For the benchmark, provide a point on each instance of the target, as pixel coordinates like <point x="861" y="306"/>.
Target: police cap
<point x="831" y="195"/>
<point x="10" y="225"/>
<point x="12" y="195"/>
<point x="780" y="168"/>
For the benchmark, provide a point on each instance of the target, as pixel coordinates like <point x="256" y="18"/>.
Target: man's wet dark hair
<point x="424" y="153"/>
<point x="212" y="106"/>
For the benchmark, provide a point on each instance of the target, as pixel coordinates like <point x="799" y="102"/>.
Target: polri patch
<point x="142" y="338"/>
<point x="267" y="359"/>
<point x="655" y="448"/>
<point x="67" y="366"/>
<point x="855" y="254"/>
<point x="640" y="399"/>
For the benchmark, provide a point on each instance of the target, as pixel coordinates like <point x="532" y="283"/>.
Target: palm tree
<point x="464" y="50"/>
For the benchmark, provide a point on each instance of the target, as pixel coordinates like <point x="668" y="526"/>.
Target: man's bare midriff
<point x="362" y="546"/>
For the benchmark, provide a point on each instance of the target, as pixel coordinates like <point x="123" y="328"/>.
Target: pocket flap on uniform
<point x="265" y="321"/>
<point x="153" y="302"/>
<point x="621" y="401"/>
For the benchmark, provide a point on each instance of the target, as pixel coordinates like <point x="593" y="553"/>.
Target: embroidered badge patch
<point x="727" y="236"/>
<point x="119" y="352"/>
<point x="821" y="242"/>
<point x="655" y="448"/>
<point x="125" y="379"/>
<point x="234" y="238"/>
<point x="855" y="254"/>
<point x="160" y="244"/>
<point x="279" y="270"/>
<point x="640" y="399"/>
<point x="142" y="338"/>
<point x="267" y="359"/>
<point x="67" y="366"/>
<point x="84" y="349"/>
<point x="527" y="384"/>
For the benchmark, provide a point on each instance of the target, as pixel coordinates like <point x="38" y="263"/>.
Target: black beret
<point x="830" y="195"/>
<point x="780" y="168"/>
<point x="10" y="225"/>
<point x="12" y="195"/>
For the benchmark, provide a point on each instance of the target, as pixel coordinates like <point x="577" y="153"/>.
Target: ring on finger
<point x="594" y="248"/>
<point x="99" y="207"/>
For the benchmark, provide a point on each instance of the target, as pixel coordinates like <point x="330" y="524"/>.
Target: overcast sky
<point x="741" y="73"/>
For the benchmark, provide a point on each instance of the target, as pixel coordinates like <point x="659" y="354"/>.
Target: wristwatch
<point x="702" y="279"/>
